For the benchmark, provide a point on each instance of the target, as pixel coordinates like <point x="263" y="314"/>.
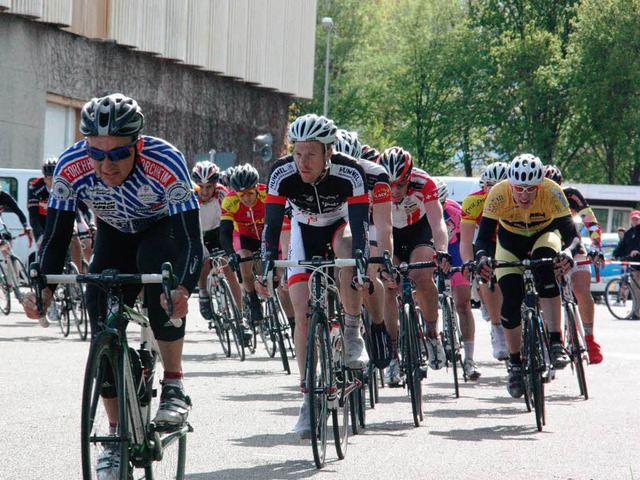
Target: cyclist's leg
<point x="357" y="356"/>
<point x="76" y="250"/>
<point x="380" y="337"/>
<point x="250" y="245"/>
<point x="462" y="300"/>
<point x="581" y="284"/>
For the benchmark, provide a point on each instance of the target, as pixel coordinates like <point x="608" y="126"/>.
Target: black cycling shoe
<point x="205" y="308"/>
<point x="515" y="383"/>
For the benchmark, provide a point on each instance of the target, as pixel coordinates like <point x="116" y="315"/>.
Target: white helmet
<point x="525" y="169"/>
<point x="347" y="142"/>
<point x="494" y="173"/>
<point x="443" y="190"/>
<point x="313" y="127"/>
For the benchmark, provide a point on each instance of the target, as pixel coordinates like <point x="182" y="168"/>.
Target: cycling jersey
<point x="340" y="194"/>
<point x="549" y="211"/>
<point x="158" y="186"/>
<point x="211" y="211"/>
<point x="247" y="221"/>
<point x="37" y="201"/>
<point x="422" y="189"/>
<point x="377" y="180"/>
<point x="580" y="206"/>
<point x="472" y="207"/>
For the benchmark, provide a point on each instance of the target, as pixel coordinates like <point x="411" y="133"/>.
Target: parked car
<point x="609" y="242"/>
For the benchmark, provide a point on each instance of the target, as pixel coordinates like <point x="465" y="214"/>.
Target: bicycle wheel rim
<point x="267" y="328"/>
<point x="619" y="299"/>
<point x="576" y="350"/>
<point x="412" y="361"/>
<point x="5" y="293"/>
<point x="234" y="318"/>
<point x="94" y="419"/>
<point x="536" y="359"/>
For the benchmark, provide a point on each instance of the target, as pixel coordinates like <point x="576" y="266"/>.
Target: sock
<point x="588" y="329"/>
<point x="352" y="325"/>
<point x="468" y="349"/>
<point x="432" y="329"/>
<point x="555" y="337"/>
<point x="514" y="358"/>
<point x="173" y="378"/>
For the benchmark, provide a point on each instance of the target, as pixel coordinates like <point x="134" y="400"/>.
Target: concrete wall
<point x="193" y="109"/>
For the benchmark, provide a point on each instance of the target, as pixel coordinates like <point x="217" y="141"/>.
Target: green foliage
<point x="461" y="83"/>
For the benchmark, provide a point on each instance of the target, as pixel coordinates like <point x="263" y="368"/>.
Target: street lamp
<point x="327" y="24"/>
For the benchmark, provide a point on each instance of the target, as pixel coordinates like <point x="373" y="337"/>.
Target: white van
<point x="460" y="187"/>
<point x="15" y="181"/>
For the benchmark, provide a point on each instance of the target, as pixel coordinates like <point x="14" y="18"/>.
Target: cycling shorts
<point x="211" y="239"/>
<point x="407" y="239"/>
<point x="308" y="241"/>
<point x="142" y="252"/>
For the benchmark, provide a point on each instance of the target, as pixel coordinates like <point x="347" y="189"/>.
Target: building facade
<point x="208" y="74"/>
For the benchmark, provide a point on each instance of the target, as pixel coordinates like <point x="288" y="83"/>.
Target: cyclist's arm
<point x="383" y="222"/>
<point x="86" y="211"/>
<point x="467" y="231"/>
<point x="568" y="233"/>
<point x="485" y="235"/>
<point x="35" y="220"/>
<point x="55" y="243"/>
<point x="226" y="236"/>
<point x="438" y="226"/>
<point x="273" y="217"/>
<point x="10" y="204"/>
<point x="188" y="262"/>
<point x="358" y="207"/>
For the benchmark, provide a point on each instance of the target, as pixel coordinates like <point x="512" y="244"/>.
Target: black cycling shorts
<point x="407" y="239"/>
<point x="143" y="252"/>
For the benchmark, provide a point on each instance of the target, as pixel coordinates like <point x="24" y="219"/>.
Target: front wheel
<point x="317" y="370"/>
<point x="620" y="299"/>
<point x="576" y="349"/>
<point x="96" y="436"/>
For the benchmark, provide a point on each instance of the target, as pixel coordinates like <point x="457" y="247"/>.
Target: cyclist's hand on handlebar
<point x="389" y="279"/>
<point x="179" y="298"/>
<point x="484" y="268"/>
<point x="30" y="304"/>
<point x="366" y="287"/>
<point x="563" y="262"/>
<point x="261" y="288"/>
<point x="234" y="261"/>
<point x="597" y="257"/>
<point x="444" y="261"/>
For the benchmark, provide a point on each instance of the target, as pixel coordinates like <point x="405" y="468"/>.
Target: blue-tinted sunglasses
<point x="114" y="155"/>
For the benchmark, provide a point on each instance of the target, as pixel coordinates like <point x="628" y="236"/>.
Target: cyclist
<point x="460" y="286"/>
<point x="629" y="246"/>
<point x="419" y="234"/>
<point x="380" y="239"/>
<point x="37" y="202"/>
<point x="581" y="274"/>
<point x="8" y="203"/>
<point x="491" y="298"/>
<point x="140" y="190"/>
<point x="211" y="193"/>
<point x="324" y="189"/>
<point x="533" y="219"/>
<point x="243" y="211"/>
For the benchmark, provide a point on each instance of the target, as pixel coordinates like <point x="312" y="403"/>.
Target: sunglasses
<point x="242" y="193"/>
<point x="114" y="155"/>
<point x="524" y="188"/>
<point x="399" y="184"/>
<point x="489" y="184"/>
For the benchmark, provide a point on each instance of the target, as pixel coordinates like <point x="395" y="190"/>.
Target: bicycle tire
<point x="620" y="299"/>
<point x="412" y="361"/>
<point x="358" y="403"/>
<point x="372" y="383"/>
<point x="316" y="382"/>
<point x="77" y="307"/>
<point x="234" y="318"/>
<point x="280" y="325"/>
<point x="22" y="273"/>
<point x="94" y="420"/>
<point x="537" y="366"/>
<point x="217" y="322"/>
<point x="63" y="309"/>
<point x="451" y="352"/>
<point x="267" y="328"/>
<point x="5" y="293"/>
<point x="576" y="349"/>
<point x="526" y="377"/>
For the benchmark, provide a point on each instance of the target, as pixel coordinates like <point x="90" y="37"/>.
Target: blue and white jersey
<point x="159" y="186"/>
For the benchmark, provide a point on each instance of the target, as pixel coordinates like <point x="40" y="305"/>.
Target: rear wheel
<point x="233" y="319"/>
<point x="267" y="328"/>
<point x="620" y="299"/>
<point x="61" y="298"/>
<point x="77" y="308"/>
<point x="576" y="349"/>
<point x="412" y="361"/>
<point x="538" y="367"/>
<point x="451" y="348"/>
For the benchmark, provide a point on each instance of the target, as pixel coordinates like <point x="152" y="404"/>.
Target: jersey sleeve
<point x="230" y="206"/>
<point x="430" y="190"/>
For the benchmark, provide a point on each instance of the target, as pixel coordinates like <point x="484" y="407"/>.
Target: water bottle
<point x="146" y="360"/>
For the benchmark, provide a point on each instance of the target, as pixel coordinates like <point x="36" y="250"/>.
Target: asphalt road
<point x="244" y="413"/>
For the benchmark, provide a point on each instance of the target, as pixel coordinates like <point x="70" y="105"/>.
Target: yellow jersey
<point x="550" y="203"/>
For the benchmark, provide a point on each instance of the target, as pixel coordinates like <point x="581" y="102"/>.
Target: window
<point x="9" y="185"/>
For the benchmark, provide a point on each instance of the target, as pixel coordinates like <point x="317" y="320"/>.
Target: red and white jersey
<point x="211" y="211"/>
<point x="422" y="190"/>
